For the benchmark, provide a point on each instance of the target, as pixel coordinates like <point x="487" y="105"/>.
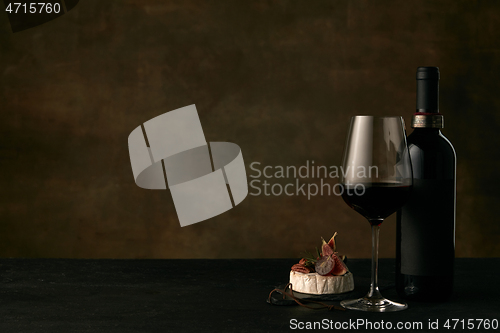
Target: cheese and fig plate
<point x="323" y="273"/>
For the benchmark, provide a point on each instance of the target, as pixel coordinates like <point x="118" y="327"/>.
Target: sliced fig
<point x="325" y="265"/>
<point x="326" y="250"/>
<point x="331" y="242"/>
<point x="339" y="268"/>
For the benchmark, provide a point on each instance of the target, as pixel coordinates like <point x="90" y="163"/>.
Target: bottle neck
<point x="427" y="131"/>
<point x="427" y="115"/>
<point x="427" y="120"/>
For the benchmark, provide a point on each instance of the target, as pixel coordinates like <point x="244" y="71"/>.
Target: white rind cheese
<point x="313" y="283"/>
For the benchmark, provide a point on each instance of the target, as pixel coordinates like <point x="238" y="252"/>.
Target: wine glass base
<point x="373" y="305"/>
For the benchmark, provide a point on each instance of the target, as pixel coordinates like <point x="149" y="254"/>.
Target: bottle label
<point x="428" y="228"/>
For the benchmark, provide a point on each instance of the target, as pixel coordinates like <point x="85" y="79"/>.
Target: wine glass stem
<point x="374" y="293"/>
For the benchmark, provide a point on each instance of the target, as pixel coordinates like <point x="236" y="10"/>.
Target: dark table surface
<point x="73" y="295"/>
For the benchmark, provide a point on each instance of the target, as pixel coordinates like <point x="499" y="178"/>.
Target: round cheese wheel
<point x="316" y="284"/>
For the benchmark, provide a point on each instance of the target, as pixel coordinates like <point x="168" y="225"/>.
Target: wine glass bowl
<point x="377" y="180"/>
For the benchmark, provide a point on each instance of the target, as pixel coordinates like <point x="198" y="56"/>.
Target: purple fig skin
<point x="325" y="265"/>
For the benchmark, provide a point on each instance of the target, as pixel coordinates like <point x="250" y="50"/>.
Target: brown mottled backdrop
<point x="279" y="78"/>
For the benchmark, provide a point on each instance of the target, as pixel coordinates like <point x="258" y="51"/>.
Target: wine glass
<point x="376" y="180"/>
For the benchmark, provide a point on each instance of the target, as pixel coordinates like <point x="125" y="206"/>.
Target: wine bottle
<point x="425" y="244"/>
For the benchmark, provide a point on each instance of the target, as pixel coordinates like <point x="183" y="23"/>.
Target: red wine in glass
<point x="376" y="201"/>
<point x="376" y="180"/>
